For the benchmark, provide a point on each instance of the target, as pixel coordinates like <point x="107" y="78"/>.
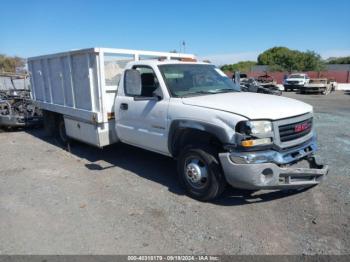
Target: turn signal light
<point x="256" y="142"/>
<point x="247" y="143"/>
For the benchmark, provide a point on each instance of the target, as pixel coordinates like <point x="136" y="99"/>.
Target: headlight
<point x="254" y="127"/>
<point x="254" y="133"/>
<point x="260" y="127"/>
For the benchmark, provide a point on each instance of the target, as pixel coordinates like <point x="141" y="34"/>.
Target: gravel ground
<point x="123" y="200"/>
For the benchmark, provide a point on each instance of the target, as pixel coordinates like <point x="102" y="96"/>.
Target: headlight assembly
<point x="260" y="127"/>
<point x="254" y="133"/>
<point x="254" y="127"/>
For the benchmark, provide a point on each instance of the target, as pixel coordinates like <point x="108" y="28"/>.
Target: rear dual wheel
<point x="54" y="126"/>
<point x="49" y="121"/>
<point x="62" y="135"/>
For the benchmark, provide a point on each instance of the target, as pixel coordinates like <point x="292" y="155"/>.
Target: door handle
<point x="124" y="106"/>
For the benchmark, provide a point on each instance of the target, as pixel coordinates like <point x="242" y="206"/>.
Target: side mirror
<point x="132" y="82"/>
<point x="158" y="94"/>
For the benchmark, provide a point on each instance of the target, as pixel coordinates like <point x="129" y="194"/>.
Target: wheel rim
<point x="196" y="172"/>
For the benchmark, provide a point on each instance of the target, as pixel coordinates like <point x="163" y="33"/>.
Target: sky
<point x="223" y="31"/>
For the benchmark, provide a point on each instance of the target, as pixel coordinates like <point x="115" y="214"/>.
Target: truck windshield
<point x="196" y="79"/>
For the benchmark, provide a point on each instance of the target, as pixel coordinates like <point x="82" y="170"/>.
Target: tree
<point x="312" y="61"/>
<point x="339" y="60"/>
<point x="242" y="66"/>
<point x="9" y="64"/>
<point x="285" y="59"/>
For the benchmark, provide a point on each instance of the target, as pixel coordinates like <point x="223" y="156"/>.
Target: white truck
<point x="173" y="105"/>
<point x="295" y="81"/>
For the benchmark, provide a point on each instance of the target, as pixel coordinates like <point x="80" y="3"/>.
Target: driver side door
<point x="142" y="120"/>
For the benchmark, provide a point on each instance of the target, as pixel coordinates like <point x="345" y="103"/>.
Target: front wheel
<point x="200" y="173"/>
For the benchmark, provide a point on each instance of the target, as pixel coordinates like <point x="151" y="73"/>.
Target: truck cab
<point x="295" y="81"/>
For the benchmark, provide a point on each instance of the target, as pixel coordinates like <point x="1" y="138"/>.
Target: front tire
<point x="200" y="173"/>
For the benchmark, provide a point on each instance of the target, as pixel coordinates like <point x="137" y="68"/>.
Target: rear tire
<point x="49" y="122"/>
<point x="200" y="172"/>
<point x="61" y="131"/>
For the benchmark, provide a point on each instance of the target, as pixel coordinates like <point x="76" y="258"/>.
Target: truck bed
<point x="82" y="84"/>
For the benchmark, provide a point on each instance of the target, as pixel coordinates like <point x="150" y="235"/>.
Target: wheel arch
<point x="182" y="132"/>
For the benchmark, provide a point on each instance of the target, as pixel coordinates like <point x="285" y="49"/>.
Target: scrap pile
<point x="16" y="106"/>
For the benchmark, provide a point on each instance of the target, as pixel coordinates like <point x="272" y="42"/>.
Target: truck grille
<point x="293" y="82"/>
<point x="295" y="130"/>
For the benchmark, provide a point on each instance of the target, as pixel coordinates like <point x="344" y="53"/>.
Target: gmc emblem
<point x="301" y="127"/>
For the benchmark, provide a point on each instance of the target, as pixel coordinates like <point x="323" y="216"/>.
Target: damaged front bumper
<point x="273" y="170"/>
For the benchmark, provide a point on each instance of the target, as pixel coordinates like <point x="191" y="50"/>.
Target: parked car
<point x="295" y="81"/>
<point x="185" y="109"/>
<point x="317" y="85"/>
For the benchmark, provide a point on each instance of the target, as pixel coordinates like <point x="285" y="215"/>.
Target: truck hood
<point x="251" y="105"/>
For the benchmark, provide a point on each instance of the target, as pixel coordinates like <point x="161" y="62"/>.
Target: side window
<point x="149" y="81"/>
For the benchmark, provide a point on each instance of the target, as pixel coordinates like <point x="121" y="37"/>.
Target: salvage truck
<point x="173" y="105"/>
<point x="317" y="85"/>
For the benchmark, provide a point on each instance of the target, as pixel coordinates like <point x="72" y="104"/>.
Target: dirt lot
<point x="123" y="200"/>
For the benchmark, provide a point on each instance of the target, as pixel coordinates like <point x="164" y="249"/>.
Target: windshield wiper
<point x="224" y="90"/>
<point x="211" y="92"/>
<point x="199" y="93"/>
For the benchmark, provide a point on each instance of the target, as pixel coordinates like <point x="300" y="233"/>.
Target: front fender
<point x="178" y="125"/>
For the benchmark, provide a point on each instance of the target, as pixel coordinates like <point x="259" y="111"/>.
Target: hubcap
<point x="196" y="173"/>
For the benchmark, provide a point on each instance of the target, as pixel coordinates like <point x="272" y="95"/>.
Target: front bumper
<point x="293" y="86"/>
<point x="282" y="171"/>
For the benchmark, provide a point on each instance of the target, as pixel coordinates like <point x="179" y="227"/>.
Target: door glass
<point x="149" y="81"/>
